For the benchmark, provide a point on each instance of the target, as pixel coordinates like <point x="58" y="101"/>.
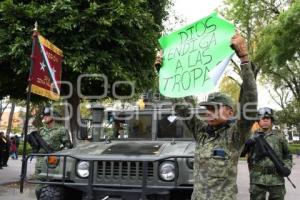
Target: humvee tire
<point x="51" y="192"/>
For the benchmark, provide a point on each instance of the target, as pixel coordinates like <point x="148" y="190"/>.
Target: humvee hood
<point x="134" y="148"/>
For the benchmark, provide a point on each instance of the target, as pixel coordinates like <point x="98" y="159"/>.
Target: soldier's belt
<point x="265" y="170"/>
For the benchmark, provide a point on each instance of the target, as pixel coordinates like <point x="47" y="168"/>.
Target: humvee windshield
<point x="141" y="125"/>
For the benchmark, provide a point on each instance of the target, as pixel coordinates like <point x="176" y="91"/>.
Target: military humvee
<point x="138" y="154"/>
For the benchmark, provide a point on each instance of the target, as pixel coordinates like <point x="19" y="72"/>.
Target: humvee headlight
<point x="167" y="171"/>
<point x="83" y="169"/>
<point x="190" y="163"/>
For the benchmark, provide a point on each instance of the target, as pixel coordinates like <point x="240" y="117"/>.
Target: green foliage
<point x="272" y="30"/>
<point x="250" y="16"/>
<point x="117" y="38"/>
<point x="290" y="115"/>
<point x="286" y="43"/>
<point x="17" y="129"/>
<point x="20" y="149"/>
<point x="278" y="50"/>
<point x="230" y="87"/>
<point x="294" y="148"/>
<point x="85" y="110"/>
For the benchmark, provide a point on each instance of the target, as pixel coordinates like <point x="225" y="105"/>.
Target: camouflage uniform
<point x="263" y="175"/>
<point x="217" y="152"/>
<point x="57" y="138"/>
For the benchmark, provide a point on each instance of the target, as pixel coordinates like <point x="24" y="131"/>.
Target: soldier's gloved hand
<point x="250" y="142"/>
<point x="239" y="45"/>
<point x="286" y="172"/>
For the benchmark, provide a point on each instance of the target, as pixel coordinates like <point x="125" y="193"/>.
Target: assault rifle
<point x="37" y="142"/>
<point x="266" y="150"/>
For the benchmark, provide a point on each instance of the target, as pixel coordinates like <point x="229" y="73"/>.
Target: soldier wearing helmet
<point x="56" y="136"/>
<point x="263" y="174"/>
<point x="53" y="133"/>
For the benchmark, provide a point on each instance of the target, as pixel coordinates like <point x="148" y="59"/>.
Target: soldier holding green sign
<point x="220" y="137"/>
<point x="193" y="59"/>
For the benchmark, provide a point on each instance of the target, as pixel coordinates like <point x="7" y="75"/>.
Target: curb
<point x="9" y="182"/>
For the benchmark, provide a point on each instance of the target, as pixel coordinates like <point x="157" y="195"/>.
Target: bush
<point x="294" y="148"/>
<point x="20" y="148"/>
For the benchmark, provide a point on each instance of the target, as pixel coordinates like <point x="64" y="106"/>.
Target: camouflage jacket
<point x="217" y="152"/>
<point x="57" y="137"/>
<point x="280" y="146"/>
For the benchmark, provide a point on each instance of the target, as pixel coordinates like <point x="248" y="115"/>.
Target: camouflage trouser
<point x="258" y="192"/>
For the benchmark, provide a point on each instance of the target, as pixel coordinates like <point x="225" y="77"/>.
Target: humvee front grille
<point x="122" y="170"/>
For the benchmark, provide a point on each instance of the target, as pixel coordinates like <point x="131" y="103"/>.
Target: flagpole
<point x="25" y="129"/>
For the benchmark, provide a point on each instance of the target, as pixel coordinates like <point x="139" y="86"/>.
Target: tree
<point x="279" y="57"/>
<point x="117" y="38"/>
<point x="281" y="97"/>
<point x="278" y="51"/>
<point x="274" y="27"/>
<point x="290" y="115"/>
<point x="10" y="119"/>
<point x="231" y="87"/>
<point x="251" y="17"/>
<point x="3" y="106"/>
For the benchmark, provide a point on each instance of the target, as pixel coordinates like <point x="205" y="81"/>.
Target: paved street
<point x="12" y="173"/>
<point x="9" y="178"/>
<point x="243" y="181"/>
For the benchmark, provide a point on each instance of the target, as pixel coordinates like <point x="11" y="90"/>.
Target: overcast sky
<point x="193" y="10"/>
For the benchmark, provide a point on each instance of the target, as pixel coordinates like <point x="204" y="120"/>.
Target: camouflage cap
<point x="218" y="98"/>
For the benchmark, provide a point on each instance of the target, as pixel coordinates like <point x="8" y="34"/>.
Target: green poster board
<point x="190" y="53"/>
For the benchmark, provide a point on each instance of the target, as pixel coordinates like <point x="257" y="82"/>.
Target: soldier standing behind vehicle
<point x="53" y="133"/>
<point x="264" y="177"/>
<point x="219" y="137"/>
<point x="55" y="136"/>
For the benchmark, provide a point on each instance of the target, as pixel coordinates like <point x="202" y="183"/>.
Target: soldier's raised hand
<point x="239" y="45"/>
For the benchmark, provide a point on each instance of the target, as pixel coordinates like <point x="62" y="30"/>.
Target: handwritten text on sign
<point x="190" y="53"/>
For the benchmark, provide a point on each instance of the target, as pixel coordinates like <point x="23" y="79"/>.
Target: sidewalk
<point x="12" y="173"/>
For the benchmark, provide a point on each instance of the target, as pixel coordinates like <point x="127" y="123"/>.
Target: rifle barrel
<point x="294" y="186"/>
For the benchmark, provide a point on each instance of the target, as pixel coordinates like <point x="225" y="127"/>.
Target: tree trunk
<point x="74" y="101"/>
<point x="10" y="119"/>
<point x="2" y="109"/>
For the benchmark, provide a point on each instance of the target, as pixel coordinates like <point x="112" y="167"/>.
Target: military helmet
<point x="218" y="98"/>
<point x="265" y="112"/>
<point x="48" y="111"/>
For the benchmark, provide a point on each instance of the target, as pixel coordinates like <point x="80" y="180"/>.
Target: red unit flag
<point x="46" y="71"/>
